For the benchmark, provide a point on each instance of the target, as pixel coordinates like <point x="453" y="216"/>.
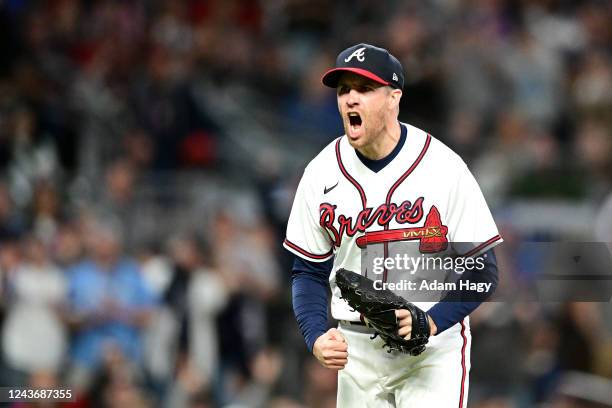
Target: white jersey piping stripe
<point x="482" y="246"/>
<point x="410" y="169"/>
<point x="291" y="246"/>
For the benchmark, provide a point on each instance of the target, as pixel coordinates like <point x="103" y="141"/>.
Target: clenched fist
<point x="331" y="349"/>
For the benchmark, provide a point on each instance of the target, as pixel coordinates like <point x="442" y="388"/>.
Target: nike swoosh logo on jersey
<point x="327" y="190"/>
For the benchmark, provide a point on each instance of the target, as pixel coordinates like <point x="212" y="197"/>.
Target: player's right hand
<point x="331" y="349"/>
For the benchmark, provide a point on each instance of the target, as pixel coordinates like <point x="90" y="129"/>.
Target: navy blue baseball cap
<point x="369" y="61"/>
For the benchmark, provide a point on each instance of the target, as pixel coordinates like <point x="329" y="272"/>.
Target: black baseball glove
<point x="378" y="310"/>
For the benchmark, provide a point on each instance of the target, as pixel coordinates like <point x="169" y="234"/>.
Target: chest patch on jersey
<point x="432" y="235"/>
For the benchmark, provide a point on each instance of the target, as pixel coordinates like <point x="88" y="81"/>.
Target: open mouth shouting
<point x="355" y="127"/>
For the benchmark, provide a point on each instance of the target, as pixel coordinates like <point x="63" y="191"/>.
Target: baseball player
<point x="382" y="177"/>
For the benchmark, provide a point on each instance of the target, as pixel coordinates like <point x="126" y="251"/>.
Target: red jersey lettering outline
<point x="405" y="213"/>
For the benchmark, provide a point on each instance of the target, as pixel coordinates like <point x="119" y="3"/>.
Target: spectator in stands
<point x="110" y="303"/>
<point x="183" y="341"/>
<point x="12" y="223"/>
<point x="34" y="337"/>
<point x="46" y="211"/>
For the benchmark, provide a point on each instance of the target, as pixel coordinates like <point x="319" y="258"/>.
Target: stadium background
<point x="171" y="135"/>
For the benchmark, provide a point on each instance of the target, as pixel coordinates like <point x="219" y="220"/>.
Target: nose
<point x="352" y="98"/>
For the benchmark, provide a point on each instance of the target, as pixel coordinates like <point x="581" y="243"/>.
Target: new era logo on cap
<point x="369" y="61"/>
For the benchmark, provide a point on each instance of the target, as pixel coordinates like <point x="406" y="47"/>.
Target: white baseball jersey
<point x="425" y="194"/>
<point x="339" y="199"/>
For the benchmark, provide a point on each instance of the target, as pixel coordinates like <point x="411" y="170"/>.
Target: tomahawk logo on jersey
<point x="425" y="194"/>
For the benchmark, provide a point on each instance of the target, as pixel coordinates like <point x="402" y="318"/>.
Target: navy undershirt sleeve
<point x="459" y="304"/>
<point x="309" y="284"/>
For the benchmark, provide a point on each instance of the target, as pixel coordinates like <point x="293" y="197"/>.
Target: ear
<point x="394" y="98"/>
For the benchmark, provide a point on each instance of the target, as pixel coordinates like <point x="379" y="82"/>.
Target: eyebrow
<point x="360" y="83"/>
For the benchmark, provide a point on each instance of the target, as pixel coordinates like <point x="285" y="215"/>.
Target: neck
<point x="384" y="143"/>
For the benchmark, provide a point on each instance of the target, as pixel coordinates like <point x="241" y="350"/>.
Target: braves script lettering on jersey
<point x="425" y="195"/>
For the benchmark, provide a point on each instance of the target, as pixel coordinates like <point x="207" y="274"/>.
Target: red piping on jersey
<point x="348" y="176"/>
<point x="483" y="245"/>
<point x="396" y="185"/>
<point x="410" y="170"/>
<point x="463" y="369"/>
<point x="306" y="253"/>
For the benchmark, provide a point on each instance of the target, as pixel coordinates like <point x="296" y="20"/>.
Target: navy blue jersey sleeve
<point x="459" y="304"/>
<point x="309" y="287"/>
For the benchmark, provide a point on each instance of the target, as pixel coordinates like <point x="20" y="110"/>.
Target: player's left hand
<point x="405" y="324"/>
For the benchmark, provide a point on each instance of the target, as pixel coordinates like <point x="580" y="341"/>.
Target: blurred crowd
<point x="140" y="258"/>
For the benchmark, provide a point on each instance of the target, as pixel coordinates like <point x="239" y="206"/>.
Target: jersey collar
<point x="378" y="165"/>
